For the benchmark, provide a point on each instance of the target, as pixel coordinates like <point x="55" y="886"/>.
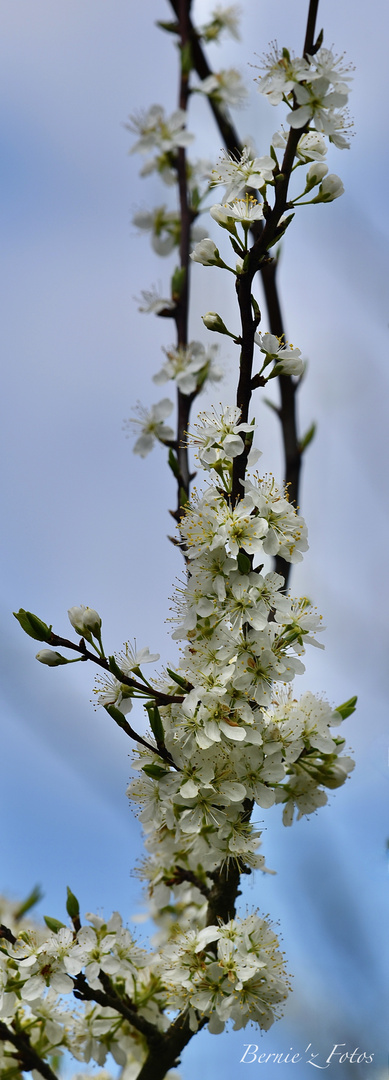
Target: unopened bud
<point x="85" y="621"/>
<point x="51" y="658"/>
<point x="212" y="321"/>
<point x="330" y="189"/>
<point x="206" y="253"/>
<point x="315" y="174"/>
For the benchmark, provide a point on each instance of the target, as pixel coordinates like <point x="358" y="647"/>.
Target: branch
<point x="168" y="1054"/>
<point x="184" y="401"/>
<point x="108" y="998"/>
<point x="27" y="1056"/>
<point x="115" y="714"/>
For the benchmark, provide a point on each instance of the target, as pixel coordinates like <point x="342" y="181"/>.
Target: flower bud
<point x="51" y="658"/>
<point x="213" y="322"/>
<point x="330" y="189"/>
<point x="315" y="174"/>
<point x="85" y="621"/>
<point x="206" y="253"/>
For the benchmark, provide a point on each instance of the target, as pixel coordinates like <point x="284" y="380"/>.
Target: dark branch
<point x="28" y="1058"/>
<point x="108" y="998"/>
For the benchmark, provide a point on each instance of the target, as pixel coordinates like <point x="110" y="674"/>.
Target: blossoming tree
<point x="226" y="729"/>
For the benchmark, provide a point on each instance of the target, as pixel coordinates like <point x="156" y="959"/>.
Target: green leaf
<point x="239" y="250"/>
<point x="33" y="898"/>
<point x="178" y="281"/>
<point x="155" y="722"/>
<point x="115" y="669"/>
<point x="280" y="231"/>
<point x="186" y="58"/>
<point x="244" y="563"/>
<point x="72" y="905"/>
<point x="307" y="438"/>
<point x="33" y="626"/>
<point x="173" y="463"/>
<point x="155" y="772"/>
<point x="177" y="678"/>
<point x="272" y="405"/>
<point x="117" y="716"/>
<point x="171" y="27"/>
<point x="257" y="313"/>
<point x="53" y="924"/>
<point x="184" y="498"/>
<point x="347" y="708"/>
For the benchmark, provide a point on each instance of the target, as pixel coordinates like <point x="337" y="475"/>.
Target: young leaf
<point x="72" y="905"/>
<point x="155" y="772"/>
<point x="347" y="708"/>
<point x="155" y="722"/>
<point x="53" y="924"/>
<point x="307" y="438"/>
<point x="244" y="563"/>
<point x="33" y="626"/>
<point x="33" y="898"/>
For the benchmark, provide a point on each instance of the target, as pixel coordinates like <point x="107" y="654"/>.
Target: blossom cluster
<point x="40" y="969"/>
<point x="237" y="734"/>
<point x="315" y="88"/>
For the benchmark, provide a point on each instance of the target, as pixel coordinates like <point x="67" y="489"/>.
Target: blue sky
<point x="86" y="522"/>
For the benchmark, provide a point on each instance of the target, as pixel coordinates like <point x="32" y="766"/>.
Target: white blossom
<point x="156" y="131"/>
<point x="242" y="171"/>
<point x="152" y="426"/>
<point x="190" y="366"/>
<point x="225" y="87"/>
<point x="152" y="302"/>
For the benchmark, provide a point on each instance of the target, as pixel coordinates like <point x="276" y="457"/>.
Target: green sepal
<point x="33" y="626"/>
<point x="53" y="924"/>
<point x="72" y="905"/>
<point x="173" y="464"/>
<point x="155" y="722"/>
<point x="177" y="678"/>
<point x="155" y="772"/>
<point x="33" y="898"/>
<point x="347" y="708"/>
<point x="307" y="438"/>
<point x="244" y="563"/>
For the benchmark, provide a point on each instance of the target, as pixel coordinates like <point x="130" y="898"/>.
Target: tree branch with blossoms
<point x="227" y="731"/>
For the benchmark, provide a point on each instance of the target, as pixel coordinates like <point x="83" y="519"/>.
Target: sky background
<point x="85" y="521"/>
